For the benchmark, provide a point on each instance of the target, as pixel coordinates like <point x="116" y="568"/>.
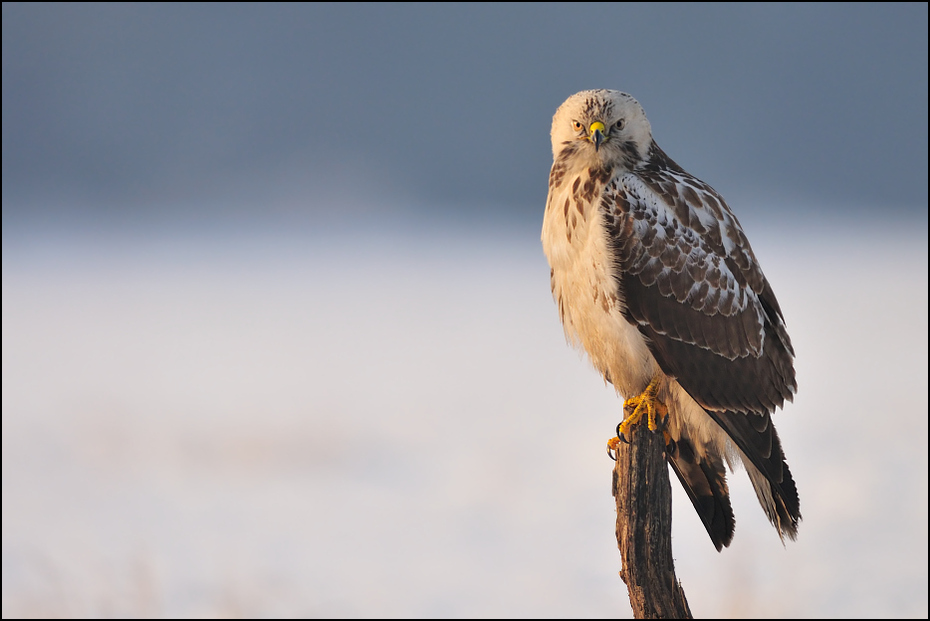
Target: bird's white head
<point x="601" y="127"/>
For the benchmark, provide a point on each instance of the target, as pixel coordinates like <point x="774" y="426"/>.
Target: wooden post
<point x="644" y="528"/>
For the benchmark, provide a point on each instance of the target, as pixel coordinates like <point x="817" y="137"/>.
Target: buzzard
<point x="654" y="277"/>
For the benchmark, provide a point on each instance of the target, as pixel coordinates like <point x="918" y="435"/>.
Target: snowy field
<point x="391" y="424"/>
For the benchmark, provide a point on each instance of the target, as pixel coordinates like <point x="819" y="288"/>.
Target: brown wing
<point x="755" y="435"/>
<point x="691" y="284"/>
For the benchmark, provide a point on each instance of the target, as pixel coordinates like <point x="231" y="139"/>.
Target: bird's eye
<point x="619" y="124"/>
<point x="577" y="126"/>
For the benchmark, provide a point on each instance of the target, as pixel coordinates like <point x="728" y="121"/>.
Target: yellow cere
<point x="597" y="125"/>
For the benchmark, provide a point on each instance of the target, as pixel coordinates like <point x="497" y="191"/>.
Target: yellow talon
<point x="635" y="407"/>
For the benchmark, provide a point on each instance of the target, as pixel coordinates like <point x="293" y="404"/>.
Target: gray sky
<point x="134" y="106"/>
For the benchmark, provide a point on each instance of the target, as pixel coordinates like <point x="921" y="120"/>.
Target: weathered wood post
<point x="644" y="528"/>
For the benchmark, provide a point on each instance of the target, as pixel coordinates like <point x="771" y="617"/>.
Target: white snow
<point x="381" y="425"/>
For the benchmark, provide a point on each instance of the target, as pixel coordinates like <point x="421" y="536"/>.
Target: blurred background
<point x="277" y="331"/>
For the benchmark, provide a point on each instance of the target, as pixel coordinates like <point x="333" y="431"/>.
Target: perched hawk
<point x="654" y="277"/>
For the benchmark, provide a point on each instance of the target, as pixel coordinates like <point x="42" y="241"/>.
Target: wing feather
<point x="756" y="437"/>
<point x="691" y="284"/>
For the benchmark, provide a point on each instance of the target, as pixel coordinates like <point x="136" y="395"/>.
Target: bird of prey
<point x="654" y="277"/>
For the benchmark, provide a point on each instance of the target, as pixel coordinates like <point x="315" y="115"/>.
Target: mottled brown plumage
<point x="654" y="278"/>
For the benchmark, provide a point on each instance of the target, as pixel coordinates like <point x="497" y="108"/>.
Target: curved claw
<point x="612" y="446"/>
<point x="620" y="435"/>
<point x="635" y="408"/>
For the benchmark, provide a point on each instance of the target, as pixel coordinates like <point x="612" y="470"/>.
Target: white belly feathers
<point x="575" y="242"/>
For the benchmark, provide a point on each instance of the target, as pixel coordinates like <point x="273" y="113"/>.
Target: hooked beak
<point x="597" y="133"/>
